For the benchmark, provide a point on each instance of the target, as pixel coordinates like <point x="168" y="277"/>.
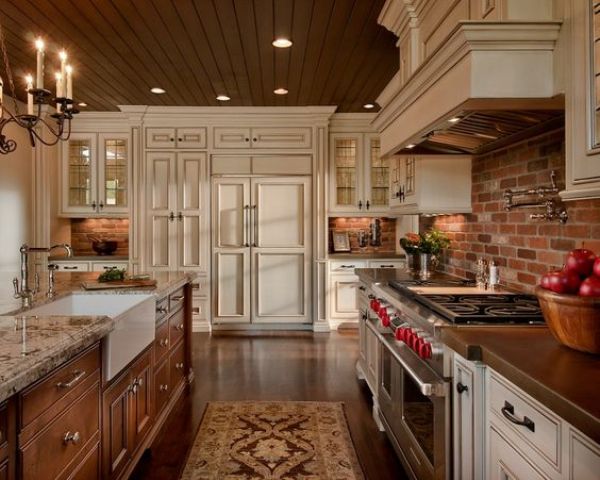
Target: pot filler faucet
<point x="22" y="288"/>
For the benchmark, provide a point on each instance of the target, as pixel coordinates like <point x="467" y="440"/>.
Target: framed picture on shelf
<point x="341" y="242"/>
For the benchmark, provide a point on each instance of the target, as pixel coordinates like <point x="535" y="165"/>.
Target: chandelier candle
<point x="63" y="73"/>
<point x="69" y="70"/>
<point x="39" y="79"/>
<point x="29" y="80"/>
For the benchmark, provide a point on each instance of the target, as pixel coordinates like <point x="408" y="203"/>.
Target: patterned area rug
<point x="273" y="441"/>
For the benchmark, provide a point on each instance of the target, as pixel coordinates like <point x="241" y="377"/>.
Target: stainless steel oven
<point x="416" y="407"/>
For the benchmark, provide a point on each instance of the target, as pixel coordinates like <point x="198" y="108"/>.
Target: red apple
<point x="581" y="261"/>
<point x="590" y="287"/>
<point x="597" y="267"/>
<point x="545" y="282"/>
<point x="562" y="281"/>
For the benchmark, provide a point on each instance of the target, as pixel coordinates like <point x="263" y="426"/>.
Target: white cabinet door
<point x="584" y="457"/>
<point x="231" y="250"/>
<point x="282" y="137"/>
<point x="506" y="463"/>
<point x="165" y="137"/>
<point x="80" y="174"/>
<point x="113" y="173"/>
<point x="193" y="137"/>
<point x="343" y="296"/>
<point x="377" y="177"/>
<point x="373" y="352"/>
<point x="231" y="137"/>
<point x="192" y="210"/>
<point x="281" y="251"/>
<point x="346" y="174"/>
<point x="161" y="202"/>
<point x="160" y="137"/>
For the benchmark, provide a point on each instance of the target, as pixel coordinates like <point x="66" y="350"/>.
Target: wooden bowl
<point x="573" y="320"/>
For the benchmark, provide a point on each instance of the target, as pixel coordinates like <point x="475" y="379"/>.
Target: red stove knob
<point x="402" y="334"/>
<point x="409" y="337"/>
<point x="418" y="342"/>
<point x="375" y="305"/>
<point x="425" y="351"/>
<point x="385" y="319"/>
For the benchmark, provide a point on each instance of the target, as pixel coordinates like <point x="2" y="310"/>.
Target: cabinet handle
<point x="247" y="225"/>
<point x="77" y="375"/>
<point x="509" y="413"/>
<point x="460" y="388"/>
<point x="171" y="217"/>
<point x="347" y="266"/>
<point x="386" y="266"/>
<point x="360" y="204"/>
<point x="163" y="388"/>
<point x="66" y="267"/>
<point x="177" y="298"/>
<point x="162" y="310"/>
<point x="71" y="437"/>
<point x="138" y="382"/>
<point x="179" y="366"/>
<point x="94" y="205"/>
<point x="255" y="140"/>
<point x="164" y="342"/>
<point x="180" y="139"/>
<point x="180" y="216"/>
<point x="368" y="205"/>
<point x="172" y="139"/>
<point x="101" y="205"/>
<point x="255" y="233"/>
<point x="362" y="289"/>
<point x="247" y="139"/>
<point x="179" y="327"/>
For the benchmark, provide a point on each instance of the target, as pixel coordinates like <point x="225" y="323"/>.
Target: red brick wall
<point x="523" y="248"/>
<point x="353" y="225"/>
<point x="82" y="229"/>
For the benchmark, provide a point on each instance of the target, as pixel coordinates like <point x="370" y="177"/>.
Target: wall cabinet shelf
<point x="95" y="175"/>
<point x="358" y="175"/>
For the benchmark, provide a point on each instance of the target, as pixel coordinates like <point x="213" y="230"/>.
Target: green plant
<point x="432" y="242"/>
<point x="112" y="274"/>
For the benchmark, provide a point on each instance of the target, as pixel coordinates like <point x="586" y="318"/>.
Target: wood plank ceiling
<point x="198" y="49"/>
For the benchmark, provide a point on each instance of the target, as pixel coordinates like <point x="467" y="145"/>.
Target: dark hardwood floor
<point x="272" y="366"/>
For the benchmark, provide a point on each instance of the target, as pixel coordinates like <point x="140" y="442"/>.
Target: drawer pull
<point x="162" y="310"/>
<point x="77" y="375"/>
<point x="196" y="310"/>
<point x="509" y="413"/>
<point x="138" y="382"/>
<point x="164" y="342"/>
<point x="460" y="388"/>
<point x="386" y="266"/>
<point x="66" y="267"/>
<point x="179" y="327"/>
<point x="179" y="366"/>
<point x="362" y="289"/>
<point x="178" y="298"/>
<point x="163" y="388"/>
<point x="347" y="266"/>
<point x="73" y="438"/>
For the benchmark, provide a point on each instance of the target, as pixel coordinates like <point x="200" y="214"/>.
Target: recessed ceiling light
<point x="282" y="43"/>
<point x="82" y="104"/>
<point x="223" y="98"/>
<point x="157" y="90"/>
<point x="410" y="145"/>
<point x="280" y="91"/>
<point x="455" y="119"/>
<point x="368" y="106"/>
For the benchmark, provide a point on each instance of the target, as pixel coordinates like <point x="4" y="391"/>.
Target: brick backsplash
<point x="523" y="248"/>
<point x="353" y="224"/>
<point x="82" y="229"/>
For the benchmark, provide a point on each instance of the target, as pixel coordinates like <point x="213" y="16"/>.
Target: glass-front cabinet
<point x="95" y="175"/>
<point x="359" y="177"/>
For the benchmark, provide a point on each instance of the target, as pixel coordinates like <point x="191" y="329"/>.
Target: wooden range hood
<point x="488" y="84"/>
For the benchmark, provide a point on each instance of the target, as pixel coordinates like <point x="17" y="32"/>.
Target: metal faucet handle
<point x="16" y="287"/>
<point x="53" y="267"/>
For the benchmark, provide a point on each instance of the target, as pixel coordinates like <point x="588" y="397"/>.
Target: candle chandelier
<point x="49" y="132"/>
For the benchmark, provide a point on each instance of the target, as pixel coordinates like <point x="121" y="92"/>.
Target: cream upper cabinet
<point x="359" y="177"/>
<point x="583" y="102"/>
<point x="182" y="137"/>
<point x="430" y="184"/>
<point x="262" y="137"/>
<point x="95" y="175"/>
<point x="177" y="224"/>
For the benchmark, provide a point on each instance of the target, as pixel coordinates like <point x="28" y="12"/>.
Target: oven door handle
<point x="430" y="383"/>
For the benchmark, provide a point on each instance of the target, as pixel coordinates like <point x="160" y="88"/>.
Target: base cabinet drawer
<point x="73" y="267"/>
<point x="176" y="327"/>
<point x="102" y="266"/>
<point x="506" y="463"/>
<point x="89" y="468"/>
<point x="177" y="366"/>
<point x="52" y="454"/>
<point x="162" y="388"/>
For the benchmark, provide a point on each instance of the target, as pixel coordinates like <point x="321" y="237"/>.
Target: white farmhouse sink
<point x="134" y="316"/>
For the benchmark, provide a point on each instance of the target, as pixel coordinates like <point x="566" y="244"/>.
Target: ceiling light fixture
<point x="455" y="119"/>
<point x="223" y="98"/>
<point x="280" y="91"/>
<point x="368" y="106"/>
<point x="158" y="90"/>
<point x="410" y="145"/>
<point x="82" y="104"/>
<point x="36" y="97"/>
<point x="282" y="43"/>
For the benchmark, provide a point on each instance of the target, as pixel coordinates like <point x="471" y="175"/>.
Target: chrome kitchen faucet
<point x="22" y="288"/>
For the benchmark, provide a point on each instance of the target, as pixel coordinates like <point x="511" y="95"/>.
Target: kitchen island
<point x="53" y="381"/>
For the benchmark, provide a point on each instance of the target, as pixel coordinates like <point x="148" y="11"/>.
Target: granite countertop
<point x="366" y="255"/>
<point x="89" y="258"/>
<point x="564" y="380"/>
<point x="30" y="347"/>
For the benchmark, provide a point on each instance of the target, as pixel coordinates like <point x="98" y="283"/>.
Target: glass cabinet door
<point x="113" y="173"/>
<point x="345" y="173"/>
<point x="79" y="174"/>
<point x="378" y="176"/>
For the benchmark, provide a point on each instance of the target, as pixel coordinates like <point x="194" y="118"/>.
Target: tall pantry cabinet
<point x="176" y="208"/>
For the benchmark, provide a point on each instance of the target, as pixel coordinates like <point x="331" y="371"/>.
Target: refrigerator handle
<point x="255" y="225"/>
<point x="246" y="225"/>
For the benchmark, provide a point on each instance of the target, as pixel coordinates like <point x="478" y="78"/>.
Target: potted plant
<point x="423" y="249"/>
